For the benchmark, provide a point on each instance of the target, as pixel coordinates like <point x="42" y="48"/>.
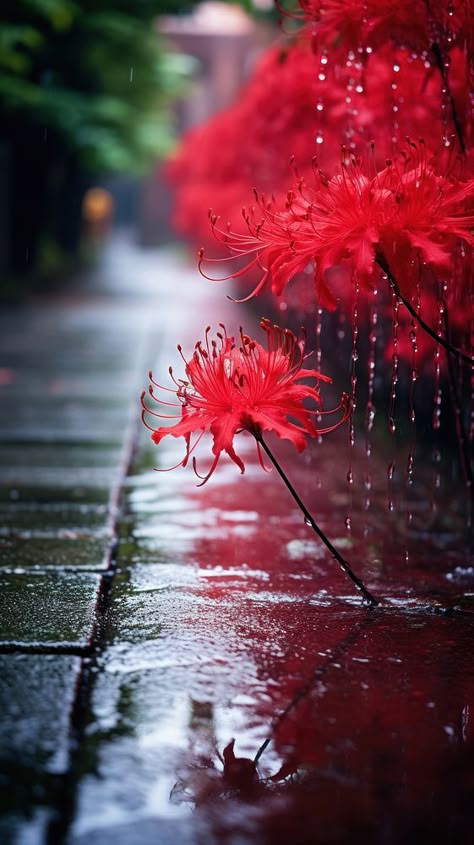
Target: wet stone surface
<point x="54" y="553"/>
<point x="31" y="519"/>
<point x="13" y="495"/>
<point x="54" y="465"/>
<point x="228" y="619"/>
<point x="36" y="697"/>
<point x="71" y="370"/>
<point x="47" y="609"/>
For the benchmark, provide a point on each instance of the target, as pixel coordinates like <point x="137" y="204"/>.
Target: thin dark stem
<point x="369" y="598"/>
<point x="438" y="57"/>
<point x="382" y="262"/>
<point x="464" y="450"/>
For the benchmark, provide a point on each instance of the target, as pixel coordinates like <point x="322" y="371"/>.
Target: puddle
<point x="220" y="629"/>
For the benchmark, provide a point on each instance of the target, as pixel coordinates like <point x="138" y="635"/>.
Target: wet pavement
<point x="146" y="623"/>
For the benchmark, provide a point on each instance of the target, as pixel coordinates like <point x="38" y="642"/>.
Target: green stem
<point x="368" y="597"/>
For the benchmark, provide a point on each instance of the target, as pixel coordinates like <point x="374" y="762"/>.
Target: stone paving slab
<point x="36" y="384"/>
<point x="47" y="610"/>
<point x="54" y="553"/>
<point x="30" y="456"/>
<point x="86" y="423"/>
<point x="62" y="518"/>
<point x="63" y="477"/>
<point x="44" y="494"/>
<point x="36" y="698"/>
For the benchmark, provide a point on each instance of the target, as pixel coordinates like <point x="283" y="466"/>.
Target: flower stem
<point x="382" y="262"/>
<point x="440" y="64"/>
<point x="368" y="597"/>
<point x="465" y="453"/>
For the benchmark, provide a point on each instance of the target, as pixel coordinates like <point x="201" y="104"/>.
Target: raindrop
<point x="307" y="521"/>
<point x="131" y="74"/>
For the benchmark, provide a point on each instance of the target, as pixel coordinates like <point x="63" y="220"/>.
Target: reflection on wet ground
<point x="245" y="694"/>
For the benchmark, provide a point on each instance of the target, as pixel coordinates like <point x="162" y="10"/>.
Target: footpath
<point x="72" y="365"/>
<point x="145" y="622"/>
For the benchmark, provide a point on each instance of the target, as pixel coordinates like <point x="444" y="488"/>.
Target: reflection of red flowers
<point x="229" y="389"/>
<point x="406" y="211"/>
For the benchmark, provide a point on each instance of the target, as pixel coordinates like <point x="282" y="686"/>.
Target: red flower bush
<point x="299" y="102"/>
<point x="232" y="388"/>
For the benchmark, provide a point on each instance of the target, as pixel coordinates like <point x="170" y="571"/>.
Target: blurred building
<point x="223" y="43"/>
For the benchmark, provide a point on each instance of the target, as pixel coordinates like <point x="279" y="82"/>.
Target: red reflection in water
<point x="368" y="714"/>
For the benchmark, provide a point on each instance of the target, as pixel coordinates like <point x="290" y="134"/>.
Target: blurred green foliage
<point x="93" y="73"/>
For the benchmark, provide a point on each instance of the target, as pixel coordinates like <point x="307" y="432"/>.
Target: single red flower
<point x="232" y="388"/>
<point x="406" y="211"/>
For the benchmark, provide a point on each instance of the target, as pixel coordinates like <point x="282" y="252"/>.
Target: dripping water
<point x="353" y="383"/>
<point x="318" y="358"/>
<point x="411" y="407"/>
<point x="392" y="426"/>
<point x="436" y="416"/>
<point x="370" y="409"/>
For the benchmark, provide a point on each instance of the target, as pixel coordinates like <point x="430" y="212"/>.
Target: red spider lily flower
<point x="405" y="211"/>
<point x="414" y="24"/>
<point x="232" y="388"/>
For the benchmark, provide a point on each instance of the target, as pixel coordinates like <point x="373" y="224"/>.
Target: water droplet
<point x="307" y="521"/>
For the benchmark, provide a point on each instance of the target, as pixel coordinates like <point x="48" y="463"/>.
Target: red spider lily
<point x="414" y="24"/>
<point x="232" y="388"/>
<point x="407" y="213"/>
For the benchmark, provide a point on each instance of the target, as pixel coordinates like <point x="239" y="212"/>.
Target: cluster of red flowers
<point x="316" y="156"/>
<point x="299" y="103"/>
<point x="335" y="107"/>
